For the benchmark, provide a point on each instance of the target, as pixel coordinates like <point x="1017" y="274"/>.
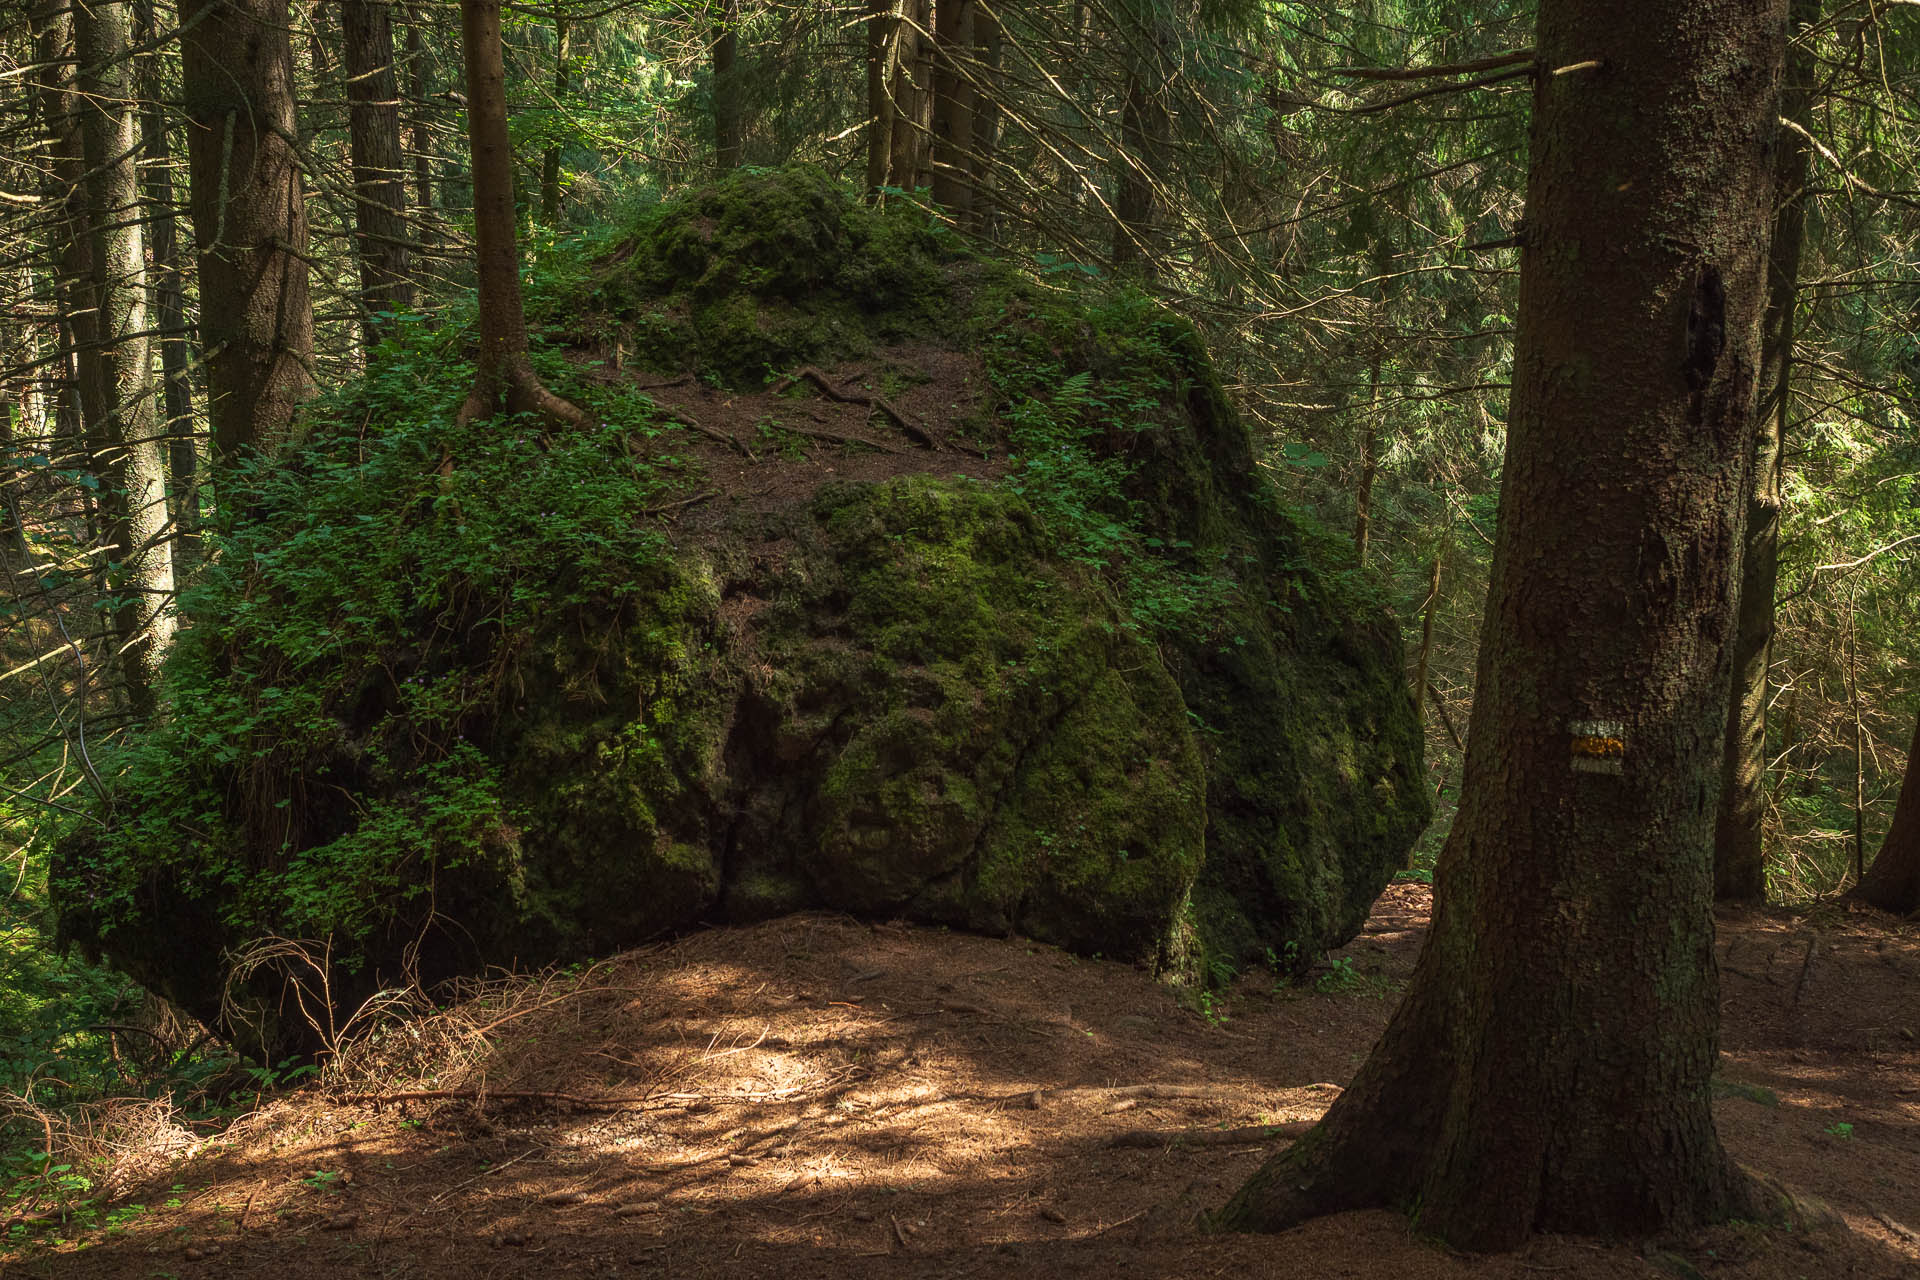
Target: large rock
<point x="452" y="701"/>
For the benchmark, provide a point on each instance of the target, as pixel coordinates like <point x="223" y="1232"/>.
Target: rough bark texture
<point x="503" y="372"/>
<point x="116" y="370"/>
<point x="550" y="159"/>
<point x="1739" y="859"/>
<point x="169" y="291"/>
<point x="990" y="42"/>
<point x="728" y="139"/>
<point x="418" y="142"/>
<point x="1549" y="1068"/>
<point x="379" y="166"/>
<point x="882" y="19"/>
<point x="249" y="219"/>
<point x="1145" y="127"/>
<point x="1893" y="882"/>
<point x="911" y="150"/>
<point x="952" y="108"/>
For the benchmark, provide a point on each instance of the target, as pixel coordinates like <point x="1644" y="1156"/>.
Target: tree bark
<point x="1739" y="858"/>
<point x="116" y="369"/>
<point x="952" y="119"/>
<point x="728" y="138"/>
<point x="249" y="219"/>
<point x="1145" y="134"/>
<point x="1892" y="883"/>
<point x="418" y="140"/>
<point x="169" y="294"/>
<point x="504" y="373"/>
<point x="550" y="159"/>
<point x="882" y="20"/>
<point x="911" y="149"/>
<point x="990" y="41"/>
<point x="1549" y="1068"/>
<point x="379" y="164"/>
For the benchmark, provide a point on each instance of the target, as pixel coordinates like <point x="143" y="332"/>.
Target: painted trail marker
<point x="1599" y="746"/>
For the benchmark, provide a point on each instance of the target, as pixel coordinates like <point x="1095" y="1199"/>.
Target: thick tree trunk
<point x="503" y="373"/>
<point x="1893" y="882"/>
<point x="169" y="294"/>
<point x="1145" y="134"/>
<point x="728" y="118"/>
<point x="116" y="370"/>
<point x="379" y="165"/>
<point x="882" y="20"/>
<point x="952" y="108"/>
<point x="1739" y="860"/>
<point x="249" y="219"/>
<point x="912" y="95"/>
<point x="1549" y="1068"/>
<point x="550" y="159"/>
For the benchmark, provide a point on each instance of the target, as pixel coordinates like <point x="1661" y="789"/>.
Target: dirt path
<point x="815" y="1096"/>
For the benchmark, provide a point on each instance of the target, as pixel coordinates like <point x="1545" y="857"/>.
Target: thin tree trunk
<point x="728" y="139"/>
<point x="912" y="97"/>
<point x="1369" y="464"/>
<point x="503" y="373"/>
<point x="1739" y="857"/>
<point x="249" y="219"/>
<point x="1893" y="882"/>
<point x="418" y="139"/>
<point x="116" y="370"/>
<point x="70" y="251"/>
<point x="989" y="39"/>
<point x="1145" y="134"/>
<point x="882" y="21"/>
<point x="952" y="108"/>
<point x="379" y="165"/>
<point x="169" y="297"/>
<point x="1549" y="1067"/>
<point x="1426" y="643"/>
<point x="550" y="160"/>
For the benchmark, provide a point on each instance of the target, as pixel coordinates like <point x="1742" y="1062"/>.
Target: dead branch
<point x="915" y="430"/>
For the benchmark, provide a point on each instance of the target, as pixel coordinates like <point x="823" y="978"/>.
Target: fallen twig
<point x="915" y="430"/>
<point x="665" y="507"/>
<point x="834" y="437"/>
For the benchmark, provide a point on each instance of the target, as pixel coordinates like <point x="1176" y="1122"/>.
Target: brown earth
<point x="817" y="1096"/>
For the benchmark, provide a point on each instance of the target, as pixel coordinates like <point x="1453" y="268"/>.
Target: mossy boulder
<point x="450" y="699"/>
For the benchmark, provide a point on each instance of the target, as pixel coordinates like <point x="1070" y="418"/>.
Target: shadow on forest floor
<point x="816" y="1096"/>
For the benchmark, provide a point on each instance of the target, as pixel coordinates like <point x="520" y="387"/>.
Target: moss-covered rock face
<point x="767" y="270"/>
<point x="451" y="700"/>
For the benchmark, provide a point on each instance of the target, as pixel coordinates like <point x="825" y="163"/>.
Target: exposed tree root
<point x="917" y="431"/>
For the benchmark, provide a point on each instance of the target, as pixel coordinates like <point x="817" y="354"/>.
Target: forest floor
<point x="817" y="1096"/>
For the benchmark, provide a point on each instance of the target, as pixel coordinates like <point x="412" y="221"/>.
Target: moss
<point x="451" y="700"/>
<point x="762" y="271"/>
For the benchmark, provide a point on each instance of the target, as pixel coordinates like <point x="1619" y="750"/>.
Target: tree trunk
<point x="1739" y="860"/>
<point x="952" y="108"/>
<point x="169" y="294"/>
<point x="1893" y="882"/>
<point x="727" y="115"/>
<point x="70" y="254"/>
<point x="418" y="139"/>
<point x="550" y="160"/>
<point x="503" y="372"/>
<point x="1145" y="134"/>
<point x="116" y="369"/>
<point x="882" y="21"/>
<point x="249" y="219"/>
<point x="912" y="98"/>
<point x="1549" y="1067"/>
<point x="989" y="39"/>
<point x="1369" y="464"/>
<point x="379" y="165"/>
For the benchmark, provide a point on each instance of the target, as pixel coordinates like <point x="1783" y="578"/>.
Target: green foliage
<point x="331" y="644"/>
